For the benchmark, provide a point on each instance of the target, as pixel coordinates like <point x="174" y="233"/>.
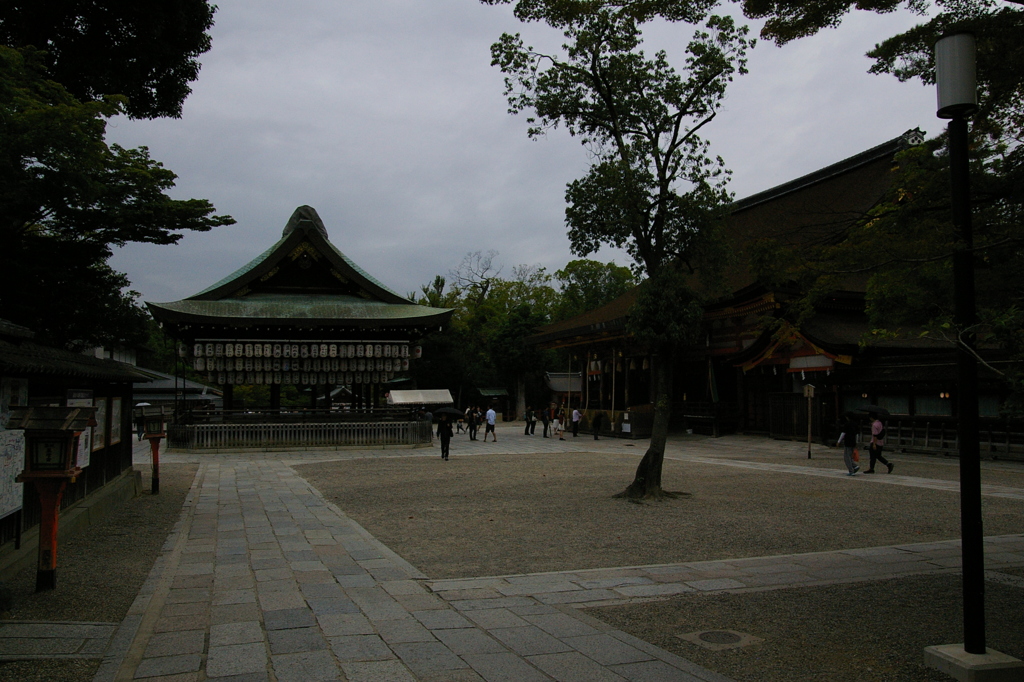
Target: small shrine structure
<point x="301" y="313"/>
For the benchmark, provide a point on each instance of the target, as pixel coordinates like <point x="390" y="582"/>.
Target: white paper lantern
<point x="277" y="350"/>
<point x="209" y="350"/>
<point x="218" y="350"/>
<point x="333" y="350"/>
<point x="257" y="350"/>
<point x="314" y="351"/>
<point x="200" y="364"/>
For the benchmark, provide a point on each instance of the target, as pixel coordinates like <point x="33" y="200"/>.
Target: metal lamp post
<point x="957" y="94"/>
<point x="957" y="100"/>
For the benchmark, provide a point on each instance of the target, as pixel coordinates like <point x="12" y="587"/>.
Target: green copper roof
<point x="302" y="279"/>
<point x="283" y="309"/>
<point x="303" y="217"/>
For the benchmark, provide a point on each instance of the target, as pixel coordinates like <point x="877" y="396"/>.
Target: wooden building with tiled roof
<point x="747" y="378"/>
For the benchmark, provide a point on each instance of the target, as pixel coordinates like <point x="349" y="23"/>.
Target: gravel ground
<point x="858" y="632"/>
<point x="99" y="572"/>
<point x="505" y="514"/>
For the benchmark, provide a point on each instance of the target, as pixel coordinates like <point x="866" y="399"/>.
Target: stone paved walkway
<point x="263" y="579"/>
<point x="261" y="574"/>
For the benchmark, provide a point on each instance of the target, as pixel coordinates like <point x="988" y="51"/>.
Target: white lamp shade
<point x="955" y="75"/>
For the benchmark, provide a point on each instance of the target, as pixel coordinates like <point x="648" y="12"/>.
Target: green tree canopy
<point x="145" y="51"/>
<point x="67" y="198"/>
<point x="588" y="284"/>
<point x="485" y="343"/>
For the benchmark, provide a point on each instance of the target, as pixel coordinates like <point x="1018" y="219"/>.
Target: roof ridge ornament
<point x="305" y="216"/>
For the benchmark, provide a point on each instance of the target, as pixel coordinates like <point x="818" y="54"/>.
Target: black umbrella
<point x="448" y="410"/>
<point x="874" y="409"/>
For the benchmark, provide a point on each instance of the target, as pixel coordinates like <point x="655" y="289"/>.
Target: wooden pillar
<point x="50" y="491"/>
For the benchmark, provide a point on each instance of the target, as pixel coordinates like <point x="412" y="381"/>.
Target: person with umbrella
<point x="877" y="438"/>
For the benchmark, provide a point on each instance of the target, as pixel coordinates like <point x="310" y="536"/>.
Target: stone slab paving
<point x="263" y="579"/>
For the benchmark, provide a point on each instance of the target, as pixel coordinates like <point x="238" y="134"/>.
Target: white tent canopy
<point x="437" y="396"/>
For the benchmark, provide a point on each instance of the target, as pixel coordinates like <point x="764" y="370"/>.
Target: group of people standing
<point x="552" y="417"/>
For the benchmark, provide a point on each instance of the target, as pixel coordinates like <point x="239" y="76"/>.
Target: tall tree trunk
<point x="647" y="480"/>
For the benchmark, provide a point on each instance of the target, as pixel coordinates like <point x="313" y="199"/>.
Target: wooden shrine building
<point x="744" y="376"/>
<point x="302" y="313"/>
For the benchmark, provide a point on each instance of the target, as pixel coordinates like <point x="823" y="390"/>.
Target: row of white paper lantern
<point x="297" y="378"/>
<point x="300" y="350"/>
<point x="306" y="365"/>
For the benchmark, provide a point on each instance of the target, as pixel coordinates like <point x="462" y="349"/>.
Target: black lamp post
<point x="957" y="95"/>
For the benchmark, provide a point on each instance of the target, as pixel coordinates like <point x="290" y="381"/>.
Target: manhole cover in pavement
<point x="719" y="640"/>
<point x="719" y="637"/>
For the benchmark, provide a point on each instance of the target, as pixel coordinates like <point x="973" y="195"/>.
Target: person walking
<point x="877" y="443"/>
<point x="545" y="419"/>
<point x="473" y="421"/>
<point x="492" y="418"/>
<point x="849" y="433"/>
<point x="529" y="416"/>
<point x="533" y="423"/>
<point x="576" y="416"/>
<point x="444" y="432"/>
<point x="596" y="423"/>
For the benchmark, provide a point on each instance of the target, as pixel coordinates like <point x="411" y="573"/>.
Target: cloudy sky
<point x="387" y="118"/>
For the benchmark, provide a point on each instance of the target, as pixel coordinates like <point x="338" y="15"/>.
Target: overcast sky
<point x="387" y="118"/>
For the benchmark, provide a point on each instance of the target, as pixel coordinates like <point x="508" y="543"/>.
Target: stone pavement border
<point x="31" y="640"/>
<point x="612" y="586"/>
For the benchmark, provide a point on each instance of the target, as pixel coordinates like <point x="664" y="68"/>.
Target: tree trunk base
<point x="640" y="493"/>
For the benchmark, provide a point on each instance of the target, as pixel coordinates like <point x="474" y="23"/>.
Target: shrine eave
<point x="347" y="313"/>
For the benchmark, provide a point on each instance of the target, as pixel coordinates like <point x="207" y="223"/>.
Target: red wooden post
<point x="154" y="446"/>
<point x="50" y="490"/>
